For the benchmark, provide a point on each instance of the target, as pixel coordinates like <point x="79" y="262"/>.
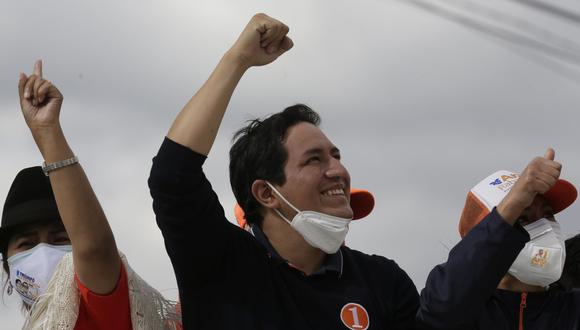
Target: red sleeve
<point x="110" y="311"/>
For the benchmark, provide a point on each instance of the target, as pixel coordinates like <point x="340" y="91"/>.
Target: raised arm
<point x="96" y="260"/>
<point x="457" y="292"/>
<point x="261" y="42"/>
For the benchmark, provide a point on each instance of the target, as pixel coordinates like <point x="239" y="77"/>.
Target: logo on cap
<point x="354" y="316"/>
<point x="504" y="182"/>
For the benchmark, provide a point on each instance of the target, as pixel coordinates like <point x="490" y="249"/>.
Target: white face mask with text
<point x="541" y="261"/>
<point x="320" y="230"/>
<point x="31" y="270"/>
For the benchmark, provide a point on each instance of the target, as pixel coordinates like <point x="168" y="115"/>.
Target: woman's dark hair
<point x="258" y="153"/>
<point x="4" y="252"/>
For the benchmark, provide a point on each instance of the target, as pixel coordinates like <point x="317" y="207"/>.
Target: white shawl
<point x="58" y="307"/>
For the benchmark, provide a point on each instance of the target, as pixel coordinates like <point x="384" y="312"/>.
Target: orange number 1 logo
<point x="354" y="316"/>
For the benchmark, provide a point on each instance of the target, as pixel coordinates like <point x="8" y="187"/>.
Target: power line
<point x="548" y="63"/>
<point x="551" y="9"/>
<point x="498" y="32"/>
<point x="545" y="53"/>
<point x="518" y="23"/>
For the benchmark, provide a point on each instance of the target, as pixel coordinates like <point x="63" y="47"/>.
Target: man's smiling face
<point x="315" y="178"/>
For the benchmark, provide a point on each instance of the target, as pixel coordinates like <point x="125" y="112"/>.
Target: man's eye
<point x="313" y="160"/>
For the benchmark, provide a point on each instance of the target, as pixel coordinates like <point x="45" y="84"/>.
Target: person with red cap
<point x="291" y="269"/>
<point x="512" y="249"/>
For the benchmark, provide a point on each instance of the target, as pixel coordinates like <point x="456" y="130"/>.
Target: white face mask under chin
<point x="31" y="270"/>
<point x="320" y="230"/>
<point x="541" y="261"/>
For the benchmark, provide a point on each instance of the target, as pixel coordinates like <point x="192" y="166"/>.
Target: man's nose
<point x="336" y="170"/>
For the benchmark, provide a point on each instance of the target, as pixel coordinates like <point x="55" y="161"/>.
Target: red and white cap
<point x="488" y="193"/>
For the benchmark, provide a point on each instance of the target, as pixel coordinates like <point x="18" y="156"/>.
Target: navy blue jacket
<point x="462" y="294"/>
<point x="228" y="279"/>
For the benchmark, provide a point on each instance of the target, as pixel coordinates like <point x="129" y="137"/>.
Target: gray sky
<point x="421" y="106"/>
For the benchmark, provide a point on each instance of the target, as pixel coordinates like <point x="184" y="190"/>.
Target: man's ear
<point x="264" y="194"/>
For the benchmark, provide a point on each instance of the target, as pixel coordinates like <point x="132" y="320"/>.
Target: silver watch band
<point x="47" y="168"/>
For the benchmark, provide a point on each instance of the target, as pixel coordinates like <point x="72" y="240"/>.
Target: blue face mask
<point x="31" y="270"/>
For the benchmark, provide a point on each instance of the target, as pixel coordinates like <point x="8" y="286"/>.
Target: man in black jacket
<point x="291" y="271"/>
<point x="497" y="276"/>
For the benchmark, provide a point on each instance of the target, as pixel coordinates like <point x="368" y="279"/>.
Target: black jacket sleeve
<point x="196" y="232"/>
<point x="457" y="291"/>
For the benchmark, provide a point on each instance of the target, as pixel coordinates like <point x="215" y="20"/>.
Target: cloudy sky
<point x="424" y="99"/>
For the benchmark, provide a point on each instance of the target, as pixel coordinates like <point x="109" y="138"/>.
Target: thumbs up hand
<point x="538" y="177"/>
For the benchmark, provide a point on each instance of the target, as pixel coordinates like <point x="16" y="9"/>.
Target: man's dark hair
<point x="258" y="153"/>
